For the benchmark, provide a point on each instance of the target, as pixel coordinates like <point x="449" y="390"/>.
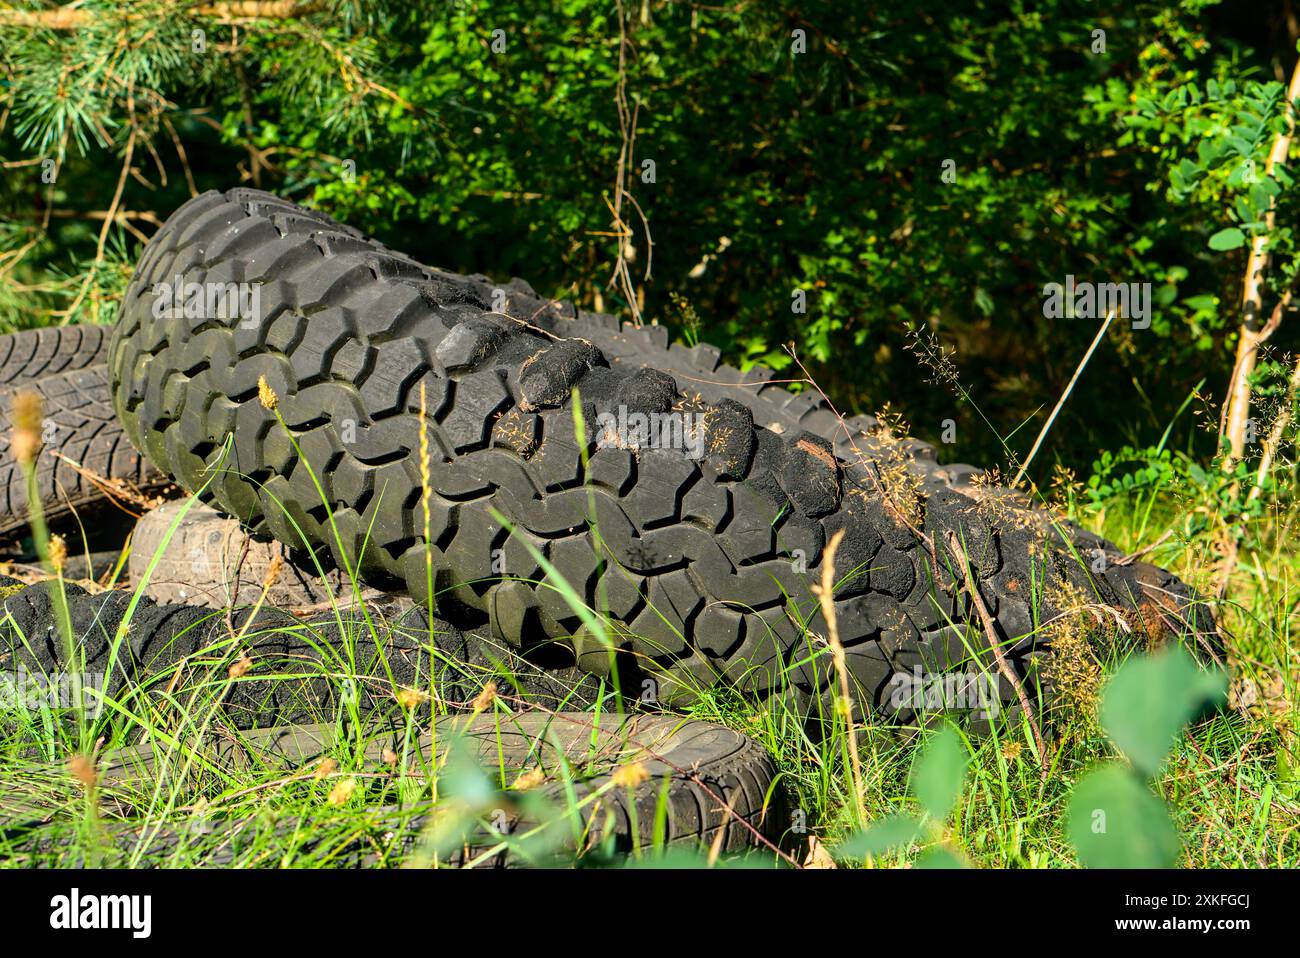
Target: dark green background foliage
<point x="818" y="170"/>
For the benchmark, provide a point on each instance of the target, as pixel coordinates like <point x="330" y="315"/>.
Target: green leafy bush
<point x="1114" y="819"/>
<point x="908" y="166"/>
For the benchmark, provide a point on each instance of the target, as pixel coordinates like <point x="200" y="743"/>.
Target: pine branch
<point x="72" y="18"/>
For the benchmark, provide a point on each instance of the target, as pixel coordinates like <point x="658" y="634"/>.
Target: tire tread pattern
<point x="707" y="565"/>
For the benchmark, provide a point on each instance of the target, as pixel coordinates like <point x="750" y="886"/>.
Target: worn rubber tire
<point x="707" y="555"/>
<point x="79" y="425"/>
<point x="294" y="673"/>
<point x="289" y="682"/>
<point x="211" y="560"/>
<point x="32" y="354"/>
<point x="709" y="779"/>
<point x="698" y="369"/>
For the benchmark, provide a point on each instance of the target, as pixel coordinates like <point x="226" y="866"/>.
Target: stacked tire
<point x="311" y="422"/>
<point x="85" y="459"/>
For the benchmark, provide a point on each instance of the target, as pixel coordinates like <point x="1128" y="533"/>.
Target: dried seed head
<point x="58" y="553"/>
<point x="409" y="698"/>
<point x="26" y="418"/>
<point x="529" y="779"/>
<point x="342" y="790"/>
<point x="240" y="668"/>
<point x="630" y="775"/>
<point x="1072" y="666"/>
<point x="326" y="766"/>
<point x="265" y="394"/>
<point x="82" y="769"/>
<point x="272" y="572"/>
<point x="486" y="697"/>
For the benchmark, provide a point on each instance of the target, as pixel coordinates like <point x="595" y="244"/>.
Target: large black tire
<point x="33" y="354"/>
<point x="298" y="672"/>
<point x="80" y="429"/>
<point x="291" y="681"/>
<point x="713" y="785"/>
<point x="706" y="563"/>
<point x="698" y="369"/>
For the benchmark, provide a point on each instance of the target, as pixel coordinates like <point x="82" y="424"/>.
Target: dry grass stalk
<point x="825" y="592"/>
<point x="27" y="416"/>
<point x="1069" y="388"/>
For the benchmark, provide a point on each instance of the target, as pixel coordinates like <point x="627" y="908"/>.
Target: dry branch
<point x="1252" y="335"/>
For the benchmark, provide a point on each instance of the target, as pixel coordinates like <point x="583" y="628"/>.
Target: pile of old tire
<point x="85" y="463"/>
<point x="295" y="662"/>
<point x="696" y="782"/>
<point x="307" y="422"/>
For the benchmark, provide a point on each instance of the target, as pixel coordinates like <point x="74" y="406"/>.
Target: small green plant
<point x="1115" y="821"/>
<point x="935" y="782"/>
<point x="1130" y="470"/>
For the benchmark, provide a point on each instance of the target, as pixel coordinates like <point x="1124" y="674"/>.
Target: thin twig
<point x="1129" y="559"/>
<point x="995" y="645"/>
<point x="1042" y="433"/>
